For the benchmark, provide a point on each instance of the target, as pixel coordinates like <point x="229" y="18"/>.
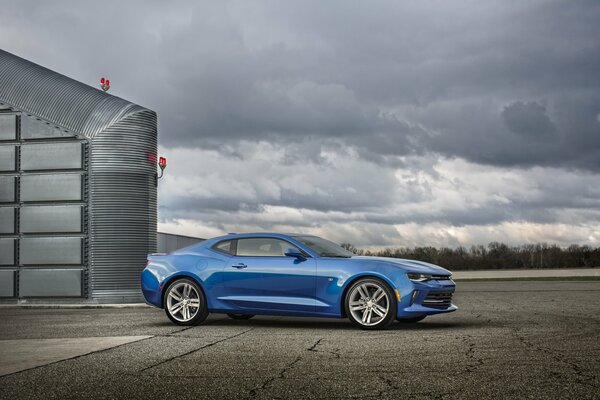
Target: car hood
<point x="409" y="265"/>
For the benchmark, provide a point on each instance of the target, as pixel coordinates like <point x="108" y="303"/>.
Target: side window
<point x="262" y="247"/>
<point x="223" y="247"/>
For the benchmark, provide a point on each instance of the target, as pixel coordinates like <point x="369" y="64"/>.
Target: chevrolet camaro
<point x="243" y="275"/>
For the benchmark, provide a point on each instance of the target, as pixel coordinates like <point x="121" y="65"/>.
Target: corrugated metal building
<point x="77" y="188"/>
<point x="168" y="242"/>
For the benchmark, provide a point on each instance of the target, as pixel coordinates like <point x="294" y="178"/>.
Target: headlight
<point x="418" y="277"/>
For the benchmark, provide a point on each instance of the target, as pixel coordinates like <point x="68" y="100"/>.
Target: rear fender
<point x="179" y="275"/>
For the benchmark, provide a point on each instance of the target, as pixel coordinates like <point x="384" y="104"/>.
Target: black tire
<point x="389" y="317"/>
<point x="202" y="309"/>
<point x="410" y="320"/>
<point x="240" y="316"/>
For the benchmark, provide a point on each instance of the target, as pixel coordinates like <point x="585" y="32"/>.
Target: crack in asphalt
<point x="313" y="348"/>
<point x="582" y="377"/>
<point x="195" y="350"/>
<point x="281" y="375"/>
<point x="253" y="393"/>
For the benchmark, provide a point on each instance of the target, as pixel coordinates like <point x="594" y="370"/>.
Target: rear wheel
<point x="240" y="316"/>
<point x="185" y="303"/>
<point x="370" y="304"/>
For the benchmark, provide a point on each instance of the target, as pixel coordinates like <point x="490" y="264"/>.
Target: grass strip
<point x="533" y="278"/>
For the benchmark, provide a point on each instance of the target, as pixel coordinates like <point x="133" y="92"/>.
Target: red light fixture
<point x="162" y="163"/>
<point x="104" y="84"/>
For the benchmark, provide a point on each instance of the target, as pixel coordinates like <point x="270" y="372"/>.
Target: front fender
<point x="361" y="275"/>
<point x="334" y="277"/>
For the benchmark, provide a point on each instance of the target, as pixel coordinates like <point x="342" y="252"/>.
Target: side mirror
<point x="295" y="253"/>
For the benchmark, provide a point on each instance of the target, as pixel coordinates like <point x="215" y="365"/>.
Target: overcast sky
<point x="377" y="123"/>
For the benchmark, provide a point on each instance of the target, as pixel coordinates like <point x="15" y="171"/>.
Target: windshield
<point x="323" y="247"/>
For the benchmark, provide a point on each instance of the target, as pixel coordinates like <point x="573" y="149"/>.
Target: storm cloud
<point x="380" y="123"/>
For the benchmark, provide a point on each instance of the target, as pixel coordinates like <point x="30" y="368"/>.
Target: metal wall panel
<point x="122" y="207"/>
<point x="34" y="128"/>
<point x="50" y="250"/>
<point x="7" y="158"/>
<point x="58" y="99"/>
<point x="7" y="189"/>
<point x="7" y="283"/>
<point x="39" y="219"/>
<point x="63" y="155"/>
<point x="7" y="251"/>
<point x="51" y="187"/>
<point x="8" y="127"/>
<point x="168" y="242"/>
<point x="50" y="283"/>
<point x="7" y="220"/>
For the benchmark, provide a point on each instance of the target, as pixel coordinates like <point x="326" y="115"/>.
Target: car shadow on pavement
<point x="340" y="324"/>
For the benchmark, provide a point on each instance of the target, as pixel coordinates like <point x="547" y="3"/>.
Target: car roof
<point x="260" y="234"/>
<point x="231" y="236"/>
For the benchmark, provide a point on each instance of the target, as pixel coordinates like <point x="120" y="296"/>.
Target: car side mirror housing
<point x="295" y="253"/>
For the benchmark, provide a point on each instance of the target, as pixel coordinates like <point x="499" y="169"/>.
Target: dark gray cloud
<point x="529" y="120"/>
<point x="356" y="108"/>
<point x="379" y="76"/>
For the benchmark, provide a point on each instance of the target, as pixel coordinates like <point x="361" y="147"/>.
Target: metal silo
<point x="77" y="188"/>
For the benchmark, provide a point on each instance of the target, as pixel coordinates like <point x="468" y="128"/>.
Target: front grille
<point x="441" y="277"/>
<point x="438" y="299"/>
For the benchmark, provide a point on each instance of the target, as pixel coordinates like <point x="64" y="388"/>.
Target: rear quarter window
<point x="224" y="247"/>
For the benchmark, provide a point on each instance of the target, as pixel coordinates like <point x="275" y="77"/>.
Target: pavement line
<point x="18" y="355"/>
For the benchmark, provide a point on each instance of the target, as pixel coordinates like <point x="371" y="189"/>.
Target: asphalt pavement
<point x="507" y="340"/>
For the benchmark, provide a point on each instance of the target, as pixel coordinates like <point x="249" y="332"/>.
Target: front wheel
<point x="370" y="304"/>
<point x="185" y="303"/>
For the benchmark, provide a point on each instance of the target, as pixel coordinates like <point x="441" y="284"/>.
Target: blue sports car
<point x="243" y="275"/>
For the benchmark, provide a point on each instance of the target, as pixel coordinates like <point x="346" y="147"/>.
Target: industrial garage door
<point x="43" y="209"/>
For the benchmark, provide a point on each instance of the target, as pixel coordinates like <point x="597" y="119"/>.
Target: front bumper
<point x="427" y="298"/>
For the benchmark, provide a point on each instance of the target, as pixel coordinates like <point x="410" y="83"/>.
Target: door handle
<point x="240" y="266"/>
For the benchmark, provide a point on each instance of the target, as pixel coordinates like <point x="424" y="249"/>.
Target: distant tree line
<point x="495" y="256"/>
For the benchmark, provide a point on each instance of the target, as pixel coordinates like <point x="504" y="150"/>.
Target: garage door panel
<point x="7" y="189"/>
<point x="42" y="219"/>
<point x="7" y="251"/>
<point x="8" y="127"/>
<point x="7" y="283"/>
<point x="7" y="220"/>
<point x="33" y="128"/>
<point x="50" y="282"/>
<point x="51" y="187"/>
<point x="50" y="250"/>
<point x="42" y="156"/>
<point x="7" y="158"/>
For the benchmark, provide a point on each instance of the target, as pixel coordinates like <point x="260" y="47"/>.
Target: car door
<point x="261" y="277"/>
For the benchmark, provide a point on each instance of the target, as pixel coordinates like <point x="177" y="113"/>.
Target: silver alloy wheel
<point x="183" y="301"/>
<point x="369" y="303"/>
